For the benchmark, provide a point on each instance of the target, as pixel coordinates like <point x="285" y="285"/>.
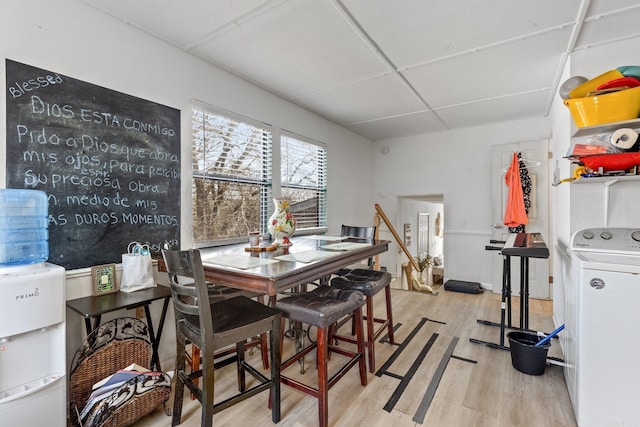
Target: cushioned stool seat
<point x="320" y="307"/>
<point x="369" y="282"/>
<point x="323" y="307"/>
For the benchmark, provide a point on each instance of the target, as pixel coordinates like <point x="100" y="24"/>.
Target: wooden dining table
<point x="308" y="259"/>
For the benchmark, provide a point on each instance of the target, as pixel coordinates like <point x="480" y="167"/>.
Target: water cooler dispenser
<point x="32" y="316"/>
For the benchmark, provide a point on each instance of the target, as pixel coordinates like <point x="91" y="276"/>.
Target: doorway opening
<point x="422" y="219"/>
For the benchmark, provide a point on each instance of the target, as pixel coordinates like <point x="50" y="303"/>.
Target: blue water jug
<point x="24" y="236"/>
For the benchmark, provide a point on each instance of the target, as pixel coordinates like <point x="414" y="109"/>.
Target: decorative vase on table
<point x="282" y="225"/>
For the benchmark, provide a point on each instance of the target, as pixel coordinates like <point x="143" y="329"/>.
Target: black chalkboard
<point x="109" y="163"/>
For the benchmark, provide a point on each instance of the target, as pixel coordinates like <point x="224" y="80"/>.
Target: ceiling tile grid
<point x="389" y="69"/>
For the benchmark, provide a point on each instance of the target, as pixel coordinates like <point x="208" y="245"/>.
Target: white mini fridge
<point x="32" y="346"/>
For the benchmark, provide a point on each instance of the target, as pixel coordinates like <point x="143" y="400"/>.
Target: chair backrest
<point x="113" y="346"/>
<point x="188" y="289"/>
<point x="360" y="233"/>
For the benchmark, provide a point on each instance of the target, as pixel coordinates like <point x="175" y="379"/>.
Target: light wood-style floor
<point x="487" y="393"/>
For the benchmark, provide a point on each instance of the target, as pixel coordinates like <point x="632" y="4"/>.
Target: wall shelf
<point x="606" y="179"/>
<point x="607" y="127"/>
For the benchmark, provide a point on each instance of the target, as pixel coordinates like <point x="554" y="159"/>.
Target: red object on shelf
<point x="624" y="82"/>
<point x="612" y="162"/>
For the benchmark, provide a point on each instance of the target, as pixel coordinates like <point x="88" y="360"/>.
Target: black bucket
<point x="525" y="356"/>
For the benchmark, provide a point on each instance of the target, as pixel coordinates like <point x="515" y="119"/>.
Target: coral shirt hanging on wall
<point x="515" y="213"/>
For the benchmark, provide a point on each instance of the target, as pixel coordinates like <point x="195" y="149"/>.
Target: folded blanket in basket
<point x="102" y="406"/>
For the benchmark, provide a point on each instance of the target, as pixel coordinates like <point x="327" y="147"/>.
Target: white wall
<point x="457" y="165"/>
<point x="559" y="199"/>
<point x="69" y="38"/>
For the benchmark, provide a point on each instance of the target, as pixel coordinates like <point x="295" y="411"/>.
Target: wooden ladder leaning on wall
<point x="380" y="215"/>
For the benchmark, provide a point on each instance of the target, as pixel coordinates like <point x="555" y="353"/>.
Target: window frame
<point x="265" y="182"/>
<point x="321" y="188"/>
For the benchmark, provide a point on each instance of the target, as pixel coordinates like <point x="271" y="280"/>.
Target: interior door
<point x="423" y="233"/>
<point x="534" y="152"/>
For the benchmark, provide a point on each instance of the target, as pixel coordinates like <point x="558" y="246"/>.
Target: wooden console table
<point x="93" y="307"/>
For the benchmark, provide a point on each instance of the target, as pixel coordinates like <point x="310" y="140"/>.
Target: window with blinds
<point x="231" y="177"/>
<point x="304" y="180"/>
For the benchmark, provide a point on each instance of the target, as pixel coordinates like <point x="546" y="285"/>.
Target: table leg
<point x="155" y="336"/>
<point x="96" y="322"/>
<point x="505" y="295"/>
<point x="507" y="268"/>
<point x="87" y="325"/>
<point x="525" y="296"/>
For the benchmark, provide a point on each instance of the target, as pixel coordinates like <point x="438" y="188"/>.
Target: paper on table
<point x="345" y="246"/>
<point x="306" y="256"/>
<point x="323" y="237"/>
<point x="238" y="261"/>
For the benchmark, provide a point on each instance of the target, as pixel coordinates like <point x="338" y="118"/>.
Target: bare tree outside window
<point x="231" y="177"/>
<point x="232" y="173"/>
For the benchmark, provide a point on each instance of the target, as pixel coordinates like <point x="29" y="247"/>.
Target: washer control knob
<point x="606" y="235"/>
<point x="596" y="283"/>
<point x="636" y="236"/>
<point x="588" y="235"/>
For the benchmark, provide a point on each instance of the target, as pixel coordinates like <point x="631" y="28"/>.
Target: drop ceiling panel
<point x="413" y="124"/>
<point x="412" y="32"/>
<point x="299" y="47"/>
<point x="180" y="22"/>
<point x="379" y="97"/>
<point x="597" y="7"/>
<point x="491" y="72"/>
<point x="474" y="62"/>
<point x="495" y="110"/>
<point x="615" y="26"/>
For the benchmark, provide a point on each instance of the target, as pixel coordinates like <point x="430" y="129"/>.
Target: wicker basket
<point x="114" y="345"/>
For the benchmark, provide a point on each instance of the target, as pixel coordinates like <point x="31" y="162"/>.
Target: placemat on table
<point x="345" y="246"/>
<point x="242" y="262"/>
<point x="306" y="256"/>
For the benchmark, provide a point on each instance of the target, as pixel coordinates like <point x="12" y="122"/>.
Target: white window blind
<point x="231" y="177"/>
<point x="304" y="180"/>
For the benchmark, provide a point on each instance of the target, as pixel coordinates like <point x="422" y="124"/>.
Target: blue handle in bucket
<point x="548" y="337"/>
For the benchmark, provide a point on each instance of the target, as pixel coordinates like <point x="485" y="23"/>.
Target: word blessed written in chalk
<point x="109" y="163"/>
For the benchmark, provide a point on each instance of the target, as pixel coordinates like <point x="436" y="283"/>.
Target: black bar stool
<point x="369" y="282"/>
<point x="322" y="308"/>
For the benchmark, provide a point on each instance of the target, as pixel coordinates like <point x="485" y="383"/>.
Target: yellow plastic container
<point x="582" y="90"/>
<point x="607" y="108"/>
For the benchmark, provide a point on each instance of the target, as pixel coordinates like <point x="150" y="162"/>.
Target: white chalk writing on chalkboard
<point x="109" y="162"/>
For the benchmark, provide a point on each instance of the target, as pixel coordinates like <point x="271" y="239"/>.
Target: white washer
<point x="602" y="350"/>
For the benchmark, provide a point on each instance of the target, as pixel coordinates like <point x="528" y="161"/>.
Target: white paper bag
<point x="137" y="268"/>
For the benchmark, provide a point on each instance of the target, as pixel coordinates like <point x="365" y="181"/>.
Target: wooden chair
<point x="218" y="293"/>
<point x="212" y="326"/>
<point x="113" y="346"/>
